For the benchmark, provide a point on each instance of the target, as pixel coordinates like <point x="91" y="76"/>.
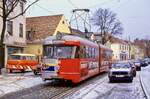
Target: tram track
<point x="81" y="85"/>
<point x="62" y="92"/>
<point x="54" y="89"/>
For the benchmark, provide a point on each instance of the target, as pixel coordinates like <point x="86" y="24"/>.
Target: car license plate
<point x="119" y="75"/>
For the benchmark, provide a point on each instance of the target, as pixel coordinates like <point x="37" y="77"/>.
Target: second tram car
<point x="73" y="58"/>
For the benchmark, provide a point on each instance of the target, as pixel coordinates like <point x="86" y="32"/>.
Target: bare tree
<point x="106" y="23"/>
<point x="6" y="8"/>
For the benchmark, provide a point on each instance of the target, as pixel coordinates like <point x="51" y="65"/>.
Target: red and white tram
<point x="73" y="58"/>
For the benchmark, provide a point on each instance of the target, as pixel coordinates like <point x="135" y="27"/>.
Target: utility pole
<point x="129" y="48"/>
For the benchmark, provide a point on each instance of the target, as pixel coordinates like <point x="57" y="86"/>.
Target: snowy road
<point x="106" y="90"/>
<point x="95" y="88"/>
<point x="145" y="78"/>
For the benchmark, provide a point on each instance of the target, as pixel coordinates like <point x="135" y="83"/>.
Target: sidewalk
<point x="18" y="81"/>
<point x="145" y="80"/>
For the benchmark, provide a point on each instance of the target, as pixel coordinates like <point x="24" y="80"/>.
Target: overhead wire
<point x="72" y="4"/>
<point x="43" y="8"/>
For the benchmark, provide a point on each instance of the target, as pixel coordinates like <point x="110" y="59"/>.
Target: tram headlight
<point x="44" y="66"/>
<point x="59" y="62"/>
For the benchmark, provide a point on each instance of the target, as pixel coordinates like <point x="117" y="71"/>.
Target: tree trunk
<point x="2" y="46"/>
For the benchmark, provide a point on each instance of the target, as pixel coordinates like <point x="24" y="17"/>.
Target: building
<point x="144" y="45"/>
<point x="38" y="28"/>
<point x="121" y="49"/>
<point x="15" y="36"/>
<point x="77" y="32"/>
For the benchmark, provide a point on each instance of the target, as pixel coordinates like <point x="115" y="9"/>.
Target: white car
<point x="121" y="70"/>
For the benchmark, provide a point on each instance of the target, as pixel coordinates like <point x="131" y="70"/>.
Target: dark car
<point x="147" y="60"/>
<point x="121" y="70"/>
<point x="138" y="65"/>
<point x="143" y="63"/>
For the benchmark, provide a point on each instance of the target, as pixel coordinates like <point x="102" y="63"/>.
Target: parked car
<point x="138" y="65"/>
<point x="133" y="68"/>
<point x="147" y="60"/>
<point x="121" y="70"/>
<point x="143" y="63"/>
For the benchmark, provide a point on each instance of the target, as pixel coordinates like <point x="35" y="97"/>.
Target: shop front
<point x="16" y="47"/>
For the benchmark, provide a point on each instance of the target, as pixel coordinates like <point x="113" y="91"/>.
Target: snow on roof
<point x="49" y="40"/>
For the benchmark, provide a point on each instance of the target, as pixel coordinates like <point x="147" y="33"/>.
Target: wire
<point x="103" y="3"/>
<point x="45" y="9"/>
<point x="72" y="4"/>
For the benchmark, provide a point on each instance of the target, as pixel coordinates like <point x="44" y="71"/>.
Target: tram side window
<point x="80" y="52"/>
<point x="93" y="52"/>
<point x="86" y="52"/>
<point x="96" y="52"/>
<point x="107" y="54"/>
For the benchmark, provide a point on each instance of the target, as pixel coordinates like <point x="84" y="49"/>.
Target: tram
<point x="73" y="58"/>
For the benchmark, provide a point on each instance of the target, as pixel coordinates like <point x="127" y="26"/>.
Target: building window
<point x="120" y="47"/>
<point x="10" y="27"/>
<point x="21" y="7"/>
<point x="63" y="22"/>
<point x="21" y="30"/>
<point x="29" y="35"/>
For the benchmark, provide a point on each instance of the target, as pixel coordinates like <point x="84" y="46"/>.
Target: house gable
<point x="42" y="27"/>
<point x="62" y="26"/>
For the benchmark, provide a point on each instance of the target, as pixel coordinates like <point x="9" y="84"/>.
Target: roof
<point x="49" y="40"/>
<point x="77" y="32"/>
<point x="42" y="26"/>
<point x="117" y="40"/>
<point x="23" y="54"/>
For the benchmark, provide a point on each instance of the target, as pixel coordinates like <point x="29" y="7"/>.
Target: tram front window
<point x="58" y="51"/>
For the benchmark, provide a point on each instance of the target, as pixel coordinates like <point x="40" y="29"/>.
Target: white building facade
<point x="121" y="50"/>
<point x="15" y="36"/>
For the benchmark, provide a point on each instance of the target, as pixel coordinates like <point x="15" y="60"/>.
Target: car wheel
<point x="110" y="80"/>
<point x="9" y="71"/>
<point x="44" y="80"/>
<point x="134" y="74"/>
<point x="139" y="68"/>
<point x="35" y="72"/>
<point x="130" y="79"/>
<point x="22" y="70"/>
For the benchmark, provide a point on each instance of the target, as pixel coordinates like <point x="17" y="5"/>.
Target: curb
<point x="144" y="88"/>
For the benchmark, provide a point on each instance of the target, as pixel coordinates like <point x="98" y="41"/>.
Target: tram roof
<point x="49" y="40"/>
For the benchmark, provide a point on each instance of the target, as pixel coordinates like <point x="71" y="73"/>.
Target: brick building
<point x="38" y="28"/>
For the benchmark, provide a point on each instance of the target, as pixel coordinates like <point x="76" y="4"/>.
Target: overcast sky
<point x="134" y="14"/>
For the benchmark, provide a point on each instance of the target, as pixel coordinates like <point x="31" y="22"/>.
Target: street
<point x="97" y="87"/>
<point x="116" y="90"/>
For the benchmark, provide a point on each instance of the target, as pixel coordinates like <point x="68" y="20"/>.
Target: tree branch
<point x="107" y="23"/>
<point x="23" y="11"/>
<point x="12" y="6"/>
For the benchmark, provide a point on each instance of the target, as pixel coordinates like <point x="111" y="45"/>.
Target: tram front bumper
<point x="48" y="75"/>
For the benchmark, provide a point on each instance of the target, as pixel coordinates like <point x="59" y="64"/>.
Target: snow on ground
<point x="145" y="79"/>
<point x="18" y="81"/>
<point x="102" y="89"/>
<point x="92" y="91"/>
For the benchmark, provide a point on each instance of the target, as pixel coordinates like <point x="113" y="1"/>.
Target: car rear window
<point x="121" y="65"/>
